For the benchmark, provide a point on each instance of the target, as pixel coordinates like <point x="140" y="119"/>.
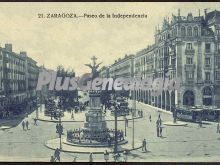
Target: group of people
<point x="102" y="136"/>
<point x="56" y="156"/>
<point x="140" y="113"/>
<point x="25" y="124"/>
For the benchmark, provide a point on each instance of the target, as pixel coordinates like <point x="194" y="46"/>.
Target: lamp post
<point x="133" y="111"/>
<point x="125" y="124"/>
<point x="116" y="107"/>
<point x="60" y="130"/>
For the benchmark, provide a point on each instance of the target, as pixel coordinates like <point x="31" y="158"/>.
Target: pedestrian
<point x="141" y="113"/>
<point x="126" y="121"/>
<point x="144" y="145"/>
<point x="161" y="129"/>
<point x="35" y="121"/>
<point x="57" y="155"/>
<point x="218" y="128"/>
<point x="157" y="125"/>
<point x="72" y="116"/>
<point x="159" y="116"/>
<point x="27" y="124"/>
<point x="52" y="159"/>
<point x="51" y="116"/>
<point x="90" y="158"/>
<point x="150" y="118"/>
<point x="57" y="127"/>
<point x="23" y="125"/>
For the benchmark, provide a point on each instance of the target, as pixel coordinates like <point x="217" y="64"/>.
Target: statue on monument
<point x="94" y="67"/>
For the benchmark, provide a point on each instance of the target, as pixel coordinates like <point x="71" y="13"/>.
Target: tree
<point x="66" y="96"/>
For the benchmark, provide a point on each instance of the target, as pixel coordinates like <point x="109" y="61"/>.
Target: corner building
<point x="187" y="48"/>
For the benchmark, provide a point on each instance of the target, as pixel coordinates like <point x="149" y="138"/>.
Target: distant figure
<point x="150" y="118"/>
<point x="72" y="116"/>
<point x="218" y="128"/>
<point x="126" y="121"/>
<point x="51" y="116"/>
<point x="90" y="158"/>
<point x="158" y="125"/>
<point x="27" y="124"/>
<point x="23" y="125"/>
<point x="144" y="145"/>
<point x="200" y="123"/>
<point x="52" y="159"/>
<point x="35" y="121"/>
<point x="161" y="130"/>
<point x="57" y="127"/>
<point x="57" y="155"/>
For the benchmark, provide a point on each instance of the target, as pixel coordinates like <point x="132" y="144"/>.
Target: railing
<point x="190" y="67"/>
<point x="208" y="82"/>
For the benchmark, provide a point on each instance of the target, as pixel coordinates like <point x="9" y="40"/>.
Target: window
<point x="189" y="61"/>
<point x="207" y="61"/>
<point x="189" y="31"/>
<point x="183" y="31"/>
<point x="218" y="32"/>
<point x="218" y="47"/>
<point x="196" y="33"/>
<point x="207" y="75"/>
<point x="217" y="75"/>
<point x="207" y="47"/>
<point x="189" y="75"/>
<point x="189" y="46"/>
<point x="217" y="61"/>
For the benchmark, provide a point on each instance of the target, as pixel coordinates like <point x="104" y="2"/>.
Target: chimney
<point x="8" y="47"/>
<point x="23" y="54"/>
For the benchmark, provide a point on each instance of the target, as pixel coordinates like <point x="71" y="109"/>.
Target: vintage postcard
<point x="110" y="82"/>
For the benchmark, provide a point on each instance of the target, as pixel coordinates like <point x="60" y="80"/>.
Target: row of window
<point x="190" y="75"/>
<point x="189" y="31"/>
<point x="189" y="60"/>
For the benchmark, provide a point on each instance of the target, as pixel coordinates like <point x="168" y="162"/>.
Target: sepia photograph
<point x="110" y="82"/>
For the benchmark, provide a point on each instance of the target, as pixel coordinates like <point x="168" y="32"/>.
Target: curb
<point x="79" y="152"/>
<point x="159" y="109"/>
<point x="79" y="121"/>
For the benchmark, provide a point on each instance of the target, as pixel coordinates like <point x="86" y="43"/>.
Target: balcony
<point x="207" y="67"/>
<point x="189" y="51"/>
<point x="190" y="67"/>
<point x="207" y="82"/>
<point x="208" y="52"/>
<point x="189" y="82"/>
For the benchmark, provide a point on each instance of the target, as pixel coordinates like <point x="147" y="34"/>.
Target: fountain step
<point x="93" y="144"/>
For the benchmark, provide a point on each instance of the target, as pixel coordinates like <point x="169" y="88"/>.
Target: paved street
<point x="179" y="143"/>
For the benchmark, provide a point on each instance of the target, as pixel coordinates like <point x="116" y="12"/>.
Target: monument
<point x="95" y="132"/>
<point x="95" y="127"/>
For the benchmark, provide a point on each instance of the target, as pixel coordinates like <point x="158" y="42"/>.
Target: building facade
<point x="122" y="67"/>
<point x="18" y="77"/>
<point x="188" y="48"/>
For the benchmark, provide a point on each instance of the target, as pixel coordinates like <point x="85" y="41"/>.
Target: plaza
<point x="179" y="143"/>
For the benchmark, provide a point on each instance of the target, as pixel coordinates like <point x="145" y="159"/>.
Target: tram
<point x="211" y="114"/>
<point x="192" y="114"/>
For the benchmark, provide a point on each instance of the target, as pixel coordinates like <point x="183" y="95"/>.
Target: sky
<point x="72" y="42"/>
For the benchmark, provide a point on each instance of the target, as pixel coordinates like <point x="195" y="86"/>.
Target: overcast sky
<point x="72" y="42"/>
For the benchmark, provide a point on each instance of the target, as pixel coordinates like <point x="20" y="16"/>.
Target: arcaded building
<point x="187" y="48"/>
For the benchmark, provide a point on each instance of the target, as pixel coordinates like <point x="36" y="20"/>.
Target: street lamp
<point x="125" y="124"/>
<point x="116" y="107"/>
<point x="60" y="128"/>
<point x="106" y="155"/>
